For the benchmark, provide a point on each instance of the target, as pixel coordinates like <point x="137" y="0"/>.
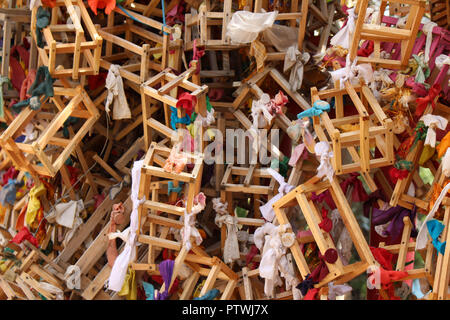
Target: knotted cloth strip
<point x="116" y="94"/>
<point x="428" y="30"/>
<point x="317" y="109"/>
<point x="435" y="229"/>
<point x="344" y="36"/>
<point x="128" y="254"/>
<point x="422" y="103"/>
<point x="231" y="247"/>
<point x="166" y="270"/>
<point x="322" y="150"/>
<point x="276" y="240"/>
<point x="72" y="277"/>
<point x="421" y="240"/>
<point x="353" y="72"/>
<point x="260" y="112"/>
<point x="294" y="60"/>
<point x="284" y="188"/>
<point x="337" y="290"/>
<point x="433" y="122"/>
<point x="189" y="230"/>
<point x="394" y="216"/>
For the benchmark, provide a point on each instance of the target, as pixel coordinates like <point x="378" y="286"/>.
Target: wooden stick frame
<point x="150" y="9"/>
<point x="215" y="269"/>
<point x="15" y="23"/>
<point x="368" y="131"/>
<point x="378" y="34"/>
<point x="80" y="106"/>
<point x="167" y="95"/>
<point x="300" y="196"/>
<point x="148" y="212"/>
<point x="404" y="247"/>
<point x="80" y="47"/>
<point x="292" y="17"/>
<point x="442" y="274"/>
<point x="250" y="173"/>
<point x="126" y="36"/>
<point x="440" y="12"/>
<point x="400" y="193"/>
<point x="205" y="20"/>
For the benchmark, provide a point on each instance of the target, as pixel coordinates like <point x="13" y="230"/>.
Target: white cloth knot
<point x="260" y="114"/>
<point x="267" y="209"/>
<point x="208" y="120"/>
<point x="220" y="207"/>
<point x="344" y="37"/>
<point x="276" y="240"/>
<point x="65" y="214"/>
<point x="294" y="60"/>
<point x="231" y="247"/>
<point x="442" y="60"/>
<point x="433" y="122"/>
<point x="128" y="254"/>
<point x="428" y="30"/>
<point x="353" y="72"/>
<point x="189" y="230"/>
<point x="322" y="149"/>
<point x="401" y="22"/>
<point x="72" y="277"/>
<point x="116" y="94"/>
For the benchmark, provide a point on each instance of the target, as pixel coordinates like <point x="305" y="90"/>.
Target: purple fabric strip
<point x="395" y="217"/>
<point x="166" y="270"/>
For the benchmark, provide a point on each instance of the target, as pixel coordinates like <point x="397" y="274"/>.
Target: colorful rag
<point x="108" y="5"/>
<point x="394" y="216"/>
<point x="25" y="234"/>
<point x="129" y="288"/>
<point x="166" y="270"/>
<point x="422" y="103"/>
<point x="43" y="85"/>
<point x="317" y="109"/>
<point x="42" y="21"/>
<point x="435" y="229"/>
<point x="34" y="203"/>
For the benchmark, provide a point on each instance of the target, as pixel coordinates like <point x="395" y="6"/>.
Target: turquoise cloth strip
<point x="435" y="229"/>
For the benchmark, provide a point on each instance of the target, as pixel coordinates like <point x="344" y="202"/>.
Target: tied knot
<point x="442" y="60"/>
<point x="171" y="188"/>
<point x="322" y="150"/>
<point x="72" y="277"/>
<point x="174" y="119"/>
<point x="294" y="60"/>
<point x="428" y="30"/>
<point x="422" y="103"/>
<point x="326" y="224"/>
<point x="189" y="230"/>
<point x="284" y="186"/>
<point x="187" y="101"/>
<point x="197" y="55"/>
<point x="422" y="69"/>
<point x="353" y="72"/>
<point x="305" y="285"/>
<point x="435" y="229"/>
<point x="260" y="111"/>
<point x="319" y="106"/>
<point x="219" y="206"/>
<point x="433" y="122"/>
